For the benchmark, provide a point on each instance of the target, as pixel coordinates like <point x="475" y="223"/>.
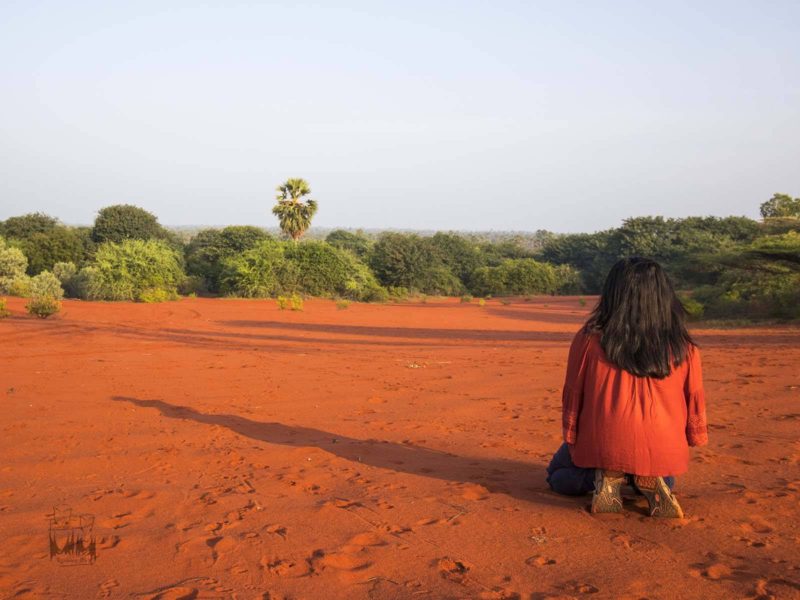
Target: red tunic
<point x="641" y="425"/>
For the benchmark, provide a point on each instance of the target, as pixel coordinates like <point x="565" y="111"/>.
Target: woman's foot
<point x="607" y="497"/>
<point x="661" y="500"/>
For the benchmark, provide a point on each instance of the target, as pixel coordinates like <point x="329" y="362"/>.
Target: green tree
<point x="132" y="270"/>
<point x="59" y="244"/>
<point x="319" y="269"/>
<point x="294" y="215"/>
<point x="254" y="273"/>
<point x="126" y="222"/>
<point x="358" y="243"/>
<point x="781" y="205"/>
<point x="460" y="255"/>
<point x="590" y="253"/>
<point x="402" y="260"/>
<point x="24" y="226"/>
<point x="522" y="276"/>
<point x="207" y="250"/>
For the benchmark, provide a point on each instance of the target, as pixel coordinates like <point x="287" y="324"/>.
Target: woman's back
<point x="619" y="421"/>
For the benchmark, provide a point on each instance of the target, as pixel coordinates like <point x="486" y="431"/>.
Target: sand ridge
<point x="231" y="450"/>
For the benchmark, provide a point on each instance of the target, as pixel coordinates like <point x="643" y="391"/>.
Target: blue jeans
<point x="565" y="478"/>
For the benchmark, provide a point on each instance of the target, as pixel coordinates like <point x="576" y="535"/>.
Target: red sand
<point x="231" y="450"/>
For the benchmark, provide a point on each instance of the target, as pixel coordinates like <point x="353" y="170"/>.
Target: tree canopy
<point x="294" y="215"/>
<point x="126" y="222"/>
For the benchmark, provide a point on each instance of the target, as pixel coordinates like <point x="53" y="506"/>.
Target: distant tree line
<point x="725" y="267"/>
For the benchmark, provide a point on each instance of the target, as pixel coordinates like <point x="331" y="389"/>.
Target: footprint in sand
<point x="539" y="561"/>
<point x="367" y="539"/>
<point x="220" y="545"/>
<point x="175" y="593"/>
<point x="714" y="570"/>
<point x="139" y="494"/>
<point x="117" y="521"/>
<point x="758" y="525"/>
<point x="107" y="542"/>
<point x="577" y="587"/>
<point x="345" y="561"/>
<point x="286" y="567"/>
<point x="279" y="530"/>
<point x="107" y="587"/>
<point x="499" y="593"/>
<point x="454" y="570"/>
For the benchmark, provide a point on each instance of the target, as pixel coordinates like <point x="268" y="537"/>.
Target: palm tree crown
<point x="294" y="216"/>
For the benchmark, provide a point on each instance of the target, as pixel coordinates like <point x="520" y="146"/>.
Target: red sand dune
<point x="231" y="450"/>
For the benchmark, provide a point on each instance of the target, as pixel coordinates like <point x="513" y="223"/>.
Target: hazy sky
<point x="567" y="116"/>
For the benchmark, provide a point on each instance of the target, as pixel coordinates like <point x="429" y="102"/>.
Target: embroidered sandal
<point x="607" y="497"/>
<point x="661" y="500"/>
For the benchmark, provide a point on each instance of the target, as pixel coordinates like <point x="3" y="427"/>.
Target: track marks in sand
<point x="188" y="589"/>
<point x="349" y="562"/>
<point x="107" y="588"/>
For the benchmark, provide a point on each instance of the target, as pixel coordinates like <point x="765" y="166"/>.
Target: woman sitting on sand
<point x="633" y="397"/>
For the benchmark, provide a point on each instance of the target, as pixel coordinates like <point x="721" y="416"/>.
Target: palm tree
<point x="293" y="215"/>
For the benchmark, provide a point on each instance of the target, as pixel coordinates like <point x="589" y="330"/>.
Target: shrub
<point x="192" y="286"/>
<point x="319" y="269"/>
<point x="693" y="308"/>
<point x="12" y="266"/>
<point x="402" y="260"/>
<point x="19" y="286"/>
<point x="4" y="312"/>
<point x="567" y="280"/>
<point x="45" y="295"/>
<point x="43" y="307"/>
<point x="582" y="301"/>
<point x="520" y="277"/>
<point x="481" y="302"/>
<point x="396" y="293"/>
<point x="64" y="271"/>
<point x="255" y="273"/>
<point x="441" y="281"/>
<point x="342" y="304"/>
<point x="294" y="302"/>
<point x="466" y="299"/>
<point x="416" y="263"/>
<point x="129" y="269"/>
<point x="157" y="295"/>
<point x="207" y="251"/>
<point x="67" y="274"/>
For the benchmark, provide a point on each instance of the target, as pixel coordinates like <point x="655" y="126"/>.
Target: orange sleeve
<point x="572" y="396"/>
<point x="696" y="424"/>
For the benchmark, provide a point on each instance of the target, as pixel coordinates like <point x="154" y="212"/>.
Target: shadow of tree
<point x="426" y="333"/>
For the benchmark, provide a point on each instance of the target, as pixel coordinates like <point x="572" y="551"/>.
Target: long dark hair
<point x="641" y="322"/>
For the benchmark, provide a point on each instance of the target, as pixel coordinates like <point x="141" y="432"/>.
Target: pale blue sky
<point x="568" y="116"/>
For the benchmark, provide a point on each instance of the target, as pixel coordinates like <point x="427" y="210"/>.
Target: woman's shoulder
<point x="586" y="336"/>
<point x="585" y="341"/>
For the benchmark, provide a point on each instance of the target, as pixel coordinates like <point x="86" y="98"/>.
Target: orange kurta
<point x="641" y="425"/>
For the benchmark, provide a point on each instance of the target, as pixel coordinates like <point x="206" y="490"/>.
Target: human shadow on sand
<point x="522" y="480"/>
